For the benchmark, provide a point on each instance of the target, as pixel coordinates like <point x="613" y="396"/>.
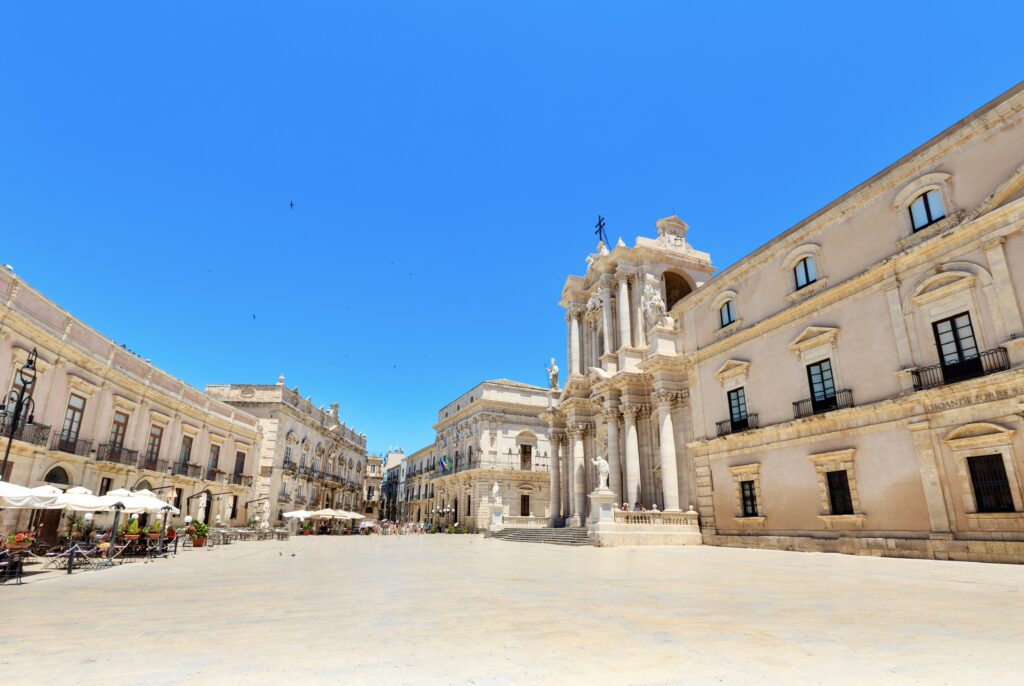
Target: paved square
<point x="461" y="609"/>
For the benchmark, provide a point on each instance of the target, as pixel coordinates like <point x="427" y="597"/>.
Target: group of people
<point x="637" y="507"/>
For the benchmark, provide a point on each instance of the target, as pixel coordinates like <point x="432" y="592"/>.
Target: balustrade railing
<point x="240" y="480"/>
<point x="36" y="434"/>
<point x="655" y="518"/>
<point x="523" y="522"/>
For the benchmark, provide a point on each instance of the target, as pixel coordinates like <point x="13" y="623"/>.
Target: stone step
<point x="569" y="536"/>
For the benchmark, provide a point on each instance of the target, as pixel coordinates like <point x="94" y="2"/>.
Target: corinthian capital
<point x="665" y="398"/>
<point x="632" y="410"/>
<point x="578" y="429"/>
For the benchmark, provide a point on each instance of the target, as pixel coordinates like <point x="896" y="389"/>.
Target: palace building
<point x="854" y="385"/>
<point x="309" y="459"/>
<point x="104" y="418"/>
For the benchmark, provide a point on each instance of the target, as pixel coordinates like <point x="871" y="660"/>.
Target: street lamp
<point x="21" y="399"/>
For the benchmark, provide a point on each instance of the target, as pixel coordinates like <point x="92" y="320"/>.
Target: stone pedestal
<point x="1015" y="350"/>
<point x="602" y="505"/>
<point x="495" y="510"/>
<point x="610" y="362"/>
<point x="662" y="338"/>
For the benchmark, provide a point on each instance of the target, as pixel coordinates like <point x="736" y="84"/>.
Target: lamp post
<point x="118" y="506"/>
<point x="21" y="399"/>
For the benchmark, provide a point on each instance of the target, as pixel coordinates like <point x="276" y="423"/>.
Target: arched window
<point x="676" y="288"/>
<point x="726" y="313"/>
<point x="926" y="209"/>
<point x="57" y="475"/>
<point x="805" y="272"/>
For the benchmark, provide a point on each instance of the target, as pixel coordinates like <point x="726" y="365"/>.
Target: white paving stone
<point x="461" y="609"/>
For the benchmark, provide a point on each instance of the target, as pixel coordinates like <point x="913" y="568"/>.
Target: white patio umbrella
<point x="301" y="514"/>
<point x="153" y="502"/>
<point x="325" y="513"/>
<point x="82" y="500"/>
<point x="15" y="496"/>
<point x="352" y="515"/>
<point x="131" y="503"/>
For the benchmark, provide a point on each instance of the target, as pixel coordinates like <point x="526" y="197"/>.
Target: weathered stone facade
<point x="105" y="419"/>
<point x="854" y="385"/>
<point x="309" y="460"/>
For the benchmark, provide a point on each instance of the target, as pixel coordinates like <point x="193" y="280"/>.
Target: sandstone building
<point x="309" y="458"/>
<point x="854" y="385"/>
<point x="105" y="419"/>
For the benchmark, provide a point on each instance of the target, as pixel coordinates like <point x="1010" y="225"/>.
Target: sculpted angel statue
<point x="495" y="490"/>
<point x="653" y="305"/>
<point x="602" y="472"/>
<point x="552" y="374"/>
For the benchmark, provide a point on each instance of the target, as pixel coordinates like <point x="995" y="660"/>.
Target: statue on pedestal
<point x="496" y="492"/>
<point x="552" y="374"/>
<point x="653" y="305"/>
<point x="602" y="472"/>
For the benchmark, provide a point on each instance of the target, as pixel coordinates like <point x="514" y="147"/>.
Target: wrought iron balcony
<point x="283" y="498"/>
<point x="73" y="445"/>
<point x="735" y="426"/>
<point x="36" y="434"/>
<point x="240" y="480"/>
<point x="154" y="465"/>
<point x="988" y="362"/>
<point x="812" y="406"/>
<point x="116" y="454"/>
<point x="193" y="471"/>
<point x="213" y="474"/>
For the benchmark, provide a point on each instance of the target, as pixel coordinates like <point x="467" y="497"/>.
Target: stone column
<point x="632" y="493"/>
<point x="1005" y="298"/>
<point x="611" y="415"/>
<point x="928" y="466"/>
<point x="574" y="341"/>
<point x="556" y="486"/>
<point x="625" y="337"/>
<point x="606" y="312"/>
<point x="667" y="451"/>
<point x="638" y="309"/>
<point x="578" y="476"/>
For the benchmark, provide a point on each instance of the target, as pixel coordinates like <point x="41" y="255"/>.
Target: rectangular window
<point x="524" y="505"/>
<point x="823" y="387"/>
<point x="118" y="429"/>
<point x="958" y="349"/>
<point x="839" y="492"/>
<point x="72" y="420"/>
<point x="185" y="454"/>
<point x="214" y="456"/>
<point x="234" y="506"/>
<point x="991" y="487"/>
<point x="156" y="437"/>
<point x="726" y="314"/>
<point x="239" y="462"/>
<point x="105" y="486"/>
<point x="738" y="409"/>
<point x="749" y="494"/>
<point x="177" y="497"/>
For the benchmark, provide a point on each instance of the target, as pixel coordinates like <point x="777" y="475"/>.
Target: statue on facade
<point x="653" y="305"/>
<point x="552" y="374"/>
<point x="602" y="472"/>
<point x="594" y="304"/>
<point x="496" y="492"/>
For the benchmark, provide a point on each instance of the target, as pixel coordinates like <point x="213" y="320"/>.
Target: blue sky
<point x="447" y="162"/>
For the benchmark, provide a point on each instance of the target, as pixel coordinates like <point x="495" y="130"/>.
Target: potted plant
<point x="307" y="528"/>
<point x="253" y="523"/>
<point x="153" y="531"/>
<point x="130" y="531"/>
<point x="199" y="532"/>
<point x="20" y="541"/>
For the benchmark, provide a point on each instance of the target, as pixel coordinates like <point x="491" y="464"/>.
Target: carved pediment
<point x="812" y="337"/>
<point x="979" y="434"/>
<point x="943" y="284"/>
<point x="732" y="368"/>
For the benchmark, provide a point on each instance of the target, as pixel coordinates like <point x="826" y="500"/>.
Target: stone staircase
<point x="567" y="536"/>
